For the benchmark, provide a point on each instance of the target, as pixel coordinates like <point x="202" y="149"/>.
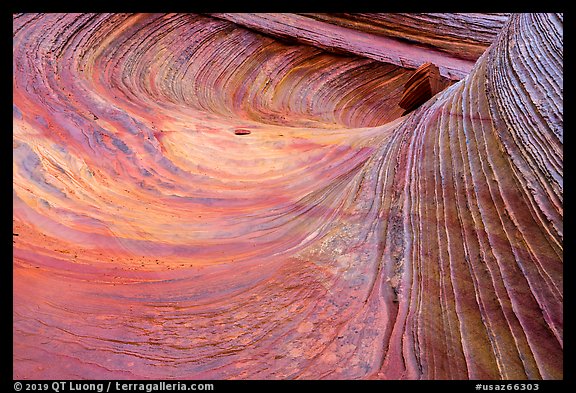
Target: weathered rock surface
<point x="451" y="41"/>
<point x="333" y="238"/>
<point x="461" y="35"/>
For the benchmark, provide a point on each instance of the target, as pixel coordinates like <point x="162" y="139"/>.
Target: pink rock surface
<point x="338" y="240"/>
<point x="461" y="35"/>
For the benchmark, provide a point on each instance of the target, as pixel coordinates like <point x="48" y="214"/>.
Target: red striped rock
<point x="422" y="85"/>
<point x="338" y="241"/>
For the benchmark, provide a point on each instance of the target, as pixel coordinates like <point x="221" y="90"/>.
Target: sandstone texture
<point x="241" y="196"/>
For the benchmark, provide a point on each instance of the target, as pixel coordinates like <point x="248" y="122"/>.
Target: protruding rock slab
<point x="422" y="85"/>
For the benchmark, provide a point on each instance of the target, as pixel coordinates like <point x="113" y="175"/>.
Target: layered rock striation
<point x="230" y="197"/>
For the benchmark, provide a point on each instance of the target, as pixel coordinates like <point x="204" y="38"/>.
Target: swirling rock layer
<point x="193" y="199"/>
<point x="401" y="39"/>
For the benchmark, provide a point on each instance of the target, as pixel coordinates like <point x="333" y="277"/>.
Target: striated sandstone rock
<point x="451" y="41"/>
<point x="462" y="35"/>
<point x="424" y="83"/>
<point x="338" y="240"/>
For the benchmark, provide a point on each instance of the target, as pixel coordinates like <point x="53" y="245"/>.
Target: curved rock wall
<point x="451" y="41"/>
<point x="193" y="199"/>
